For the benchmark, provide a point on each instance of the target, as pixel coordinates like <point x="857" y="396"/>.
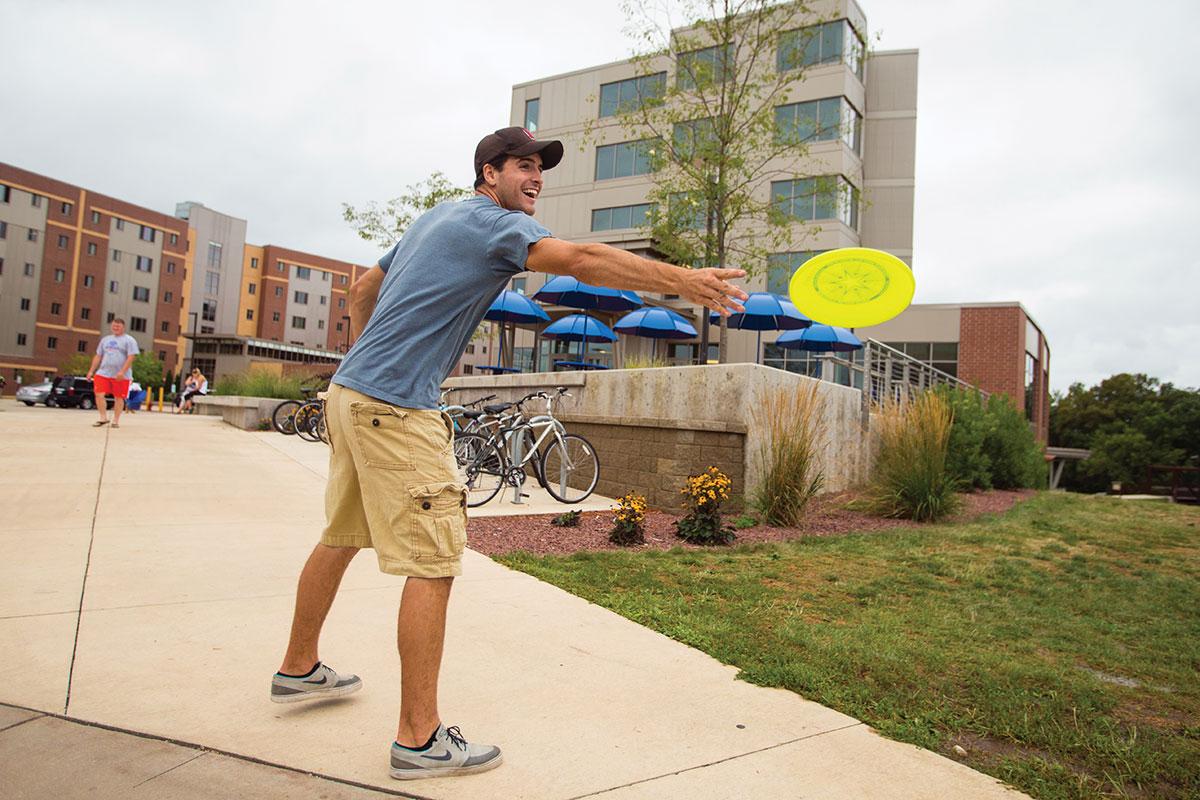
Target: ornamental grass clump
<point x="793" y="423"/>
<point x="911" y="479"/>
<point x="703" y="495"/>
<point x="628" y="522"/>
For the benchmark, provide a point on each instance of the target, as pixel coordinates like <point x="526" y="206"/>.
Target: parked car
<point x="73" y="391"/>
<point x="35" y="393"/>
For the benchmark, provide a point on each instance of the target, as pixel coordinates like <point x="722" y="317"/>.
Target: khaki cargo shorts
<point x="394" y="486"/>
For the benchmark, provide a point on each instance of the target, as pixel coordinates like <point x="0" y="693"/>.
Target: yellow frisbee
<point x="852" y="287"/>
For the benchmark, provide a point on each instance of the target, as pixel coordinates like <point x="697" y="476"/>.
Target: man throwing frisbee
<point x="393" y="483"/>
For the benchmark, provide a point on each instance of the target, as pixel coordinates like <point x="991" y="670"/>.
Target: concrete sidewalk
<point x="147" y="583"/>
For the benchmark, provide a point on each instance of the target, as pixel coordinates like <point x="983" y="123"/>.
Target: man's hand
<point x="120" y="375"/>
<point x="89" y="375"/>
<point x="709" y="288"/>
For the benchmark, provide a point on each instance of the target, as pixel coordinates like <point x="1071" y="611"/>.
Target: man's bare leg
<point x="118" y="407"/>
<point x="420" y="634"/>
<point x="102" y="406"/>
<point x="319" y="581"/>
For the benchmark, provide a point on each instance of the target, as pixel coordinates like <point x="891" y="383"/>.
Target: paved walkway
<point x="146" y="587"/>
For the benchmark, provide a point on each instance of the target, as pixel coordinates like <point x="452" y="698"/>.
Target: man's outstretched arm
<point x="602" y="265"/>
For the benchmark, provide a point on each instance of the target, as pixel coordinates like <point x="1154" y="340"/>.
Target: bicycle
<point x="283" y="417"/>
<point x="568" y="467"/>
<point x="456" y="410"/>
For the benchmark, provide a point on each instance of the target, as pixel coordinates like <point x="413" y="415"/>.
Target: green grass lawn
<point x="1059" y="644"/>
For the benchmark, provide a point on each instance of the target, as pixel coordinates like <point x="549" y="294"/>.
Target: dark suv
<point x="73" y="391"/>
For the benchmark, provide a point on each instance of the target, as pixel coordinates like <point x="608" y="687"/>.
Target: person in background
<point x="199" y="385"/>
<point x="110" y="372"/>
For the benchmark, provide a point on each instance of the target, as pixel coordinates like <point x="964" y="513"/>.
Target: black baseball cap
<point x="515" y="142"/>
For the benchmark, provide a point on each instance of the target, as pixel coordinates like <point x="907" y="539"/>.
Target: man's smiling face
<point x="519" y="183"/>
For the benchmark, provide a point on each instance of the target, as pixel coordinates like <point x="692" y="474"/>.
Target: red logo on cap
<point x="527" y="133"/>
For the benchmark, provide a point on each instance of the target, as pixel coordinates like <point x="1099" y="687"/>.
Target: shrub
<point x="262" y="383"/>
<point x="568" y="519"/>
<point x="628" y="522"/>
<point x="794" y="424"/>
<point x="703" y="495"/>
<point x="643" y="362"/>
<point x="910" y="478"/>
<point x="1014" y="456"/>
<point x="966" y="460"/>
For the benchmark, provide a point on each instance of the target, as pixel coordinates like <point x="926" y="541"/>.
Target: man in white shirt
<point x="111" y="367"/>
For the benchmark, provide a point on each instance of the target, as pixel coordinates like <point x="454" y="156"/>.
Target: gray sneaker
<point x="321" y="682"/>
<point x="448" y="755"/>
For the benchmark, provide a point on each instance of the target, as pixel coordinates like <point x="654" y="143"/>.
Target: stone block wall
<point x="655" y="457"/>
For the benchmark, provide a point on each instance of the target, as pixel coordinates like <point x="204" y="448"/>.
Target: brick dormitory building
<point x="190" y="288"/>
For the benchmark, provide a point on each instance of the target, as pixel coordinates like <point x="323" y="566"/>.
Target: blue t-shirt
<point x="441" y="277"/>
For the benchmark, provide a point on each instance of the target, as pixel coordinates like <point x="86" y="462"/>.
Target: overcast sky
<point x="1057" y="140"/>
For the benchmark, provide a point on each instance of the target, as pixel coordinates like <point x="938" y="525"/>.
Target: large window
<point x="829" y="43"/>
<point x="819" y="121"/>
<point x="137" y="324"/>
<point x="827" y="197"/>
<point x="781" y="267"/>
<point x="299" y="322"/>
<point x="303" y="273"/>
<point x="703" y="68"/>
<point x="695" y="138"/>
<point x="145" y="264"/>
<point x="620" y="217"/>
<point x="532" y="107"/>
<point x="141" y="294"/>
<point x="301" y="298"/>
<point x="146" y="234"/>
<point x="939" y="355"/>
<point x="208" y="311"/>
<point x="621" y="97"/>
<point x="625" y="160"/>
<point x="214" y="255"/>
<point x="212" y="282"/>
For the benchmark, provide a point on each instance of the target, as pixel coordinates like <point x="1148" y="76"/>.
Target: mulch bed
<point x="827" y="516"/>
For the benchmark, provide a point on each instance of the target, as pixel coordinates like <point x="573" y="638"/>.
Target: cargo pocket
<point x="439" y="520"/>
<point x="382" y="434"/>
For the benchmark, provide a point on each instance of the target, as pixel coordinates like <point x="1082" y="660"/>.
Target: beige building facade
<point x="592" y="197"/>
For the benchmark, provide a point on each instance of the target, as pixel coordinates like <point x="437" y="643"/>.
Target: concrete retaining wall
<point x="653" y="427"/>
<point x="242" y="412"/>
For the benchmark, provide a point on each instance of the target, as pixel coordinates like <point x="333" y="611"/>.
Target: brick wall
<point x="655" y="461"/>
<point x="991" y="351"/>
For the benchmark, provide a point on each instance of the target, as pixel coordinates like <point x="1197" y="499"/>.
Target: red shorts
<point x="117" y="388"/>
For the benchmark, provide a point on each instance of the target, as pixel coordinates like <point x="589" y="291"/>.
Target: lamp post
<point x="193" y="317"/>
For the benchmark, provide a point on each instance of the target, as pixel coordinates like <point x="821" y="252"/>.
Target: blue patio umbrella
<point x="563" y="290"/>
<point x="820" y="339"/>
<point x="579" y="328"/>
<point x="514" y="307"/>
<point x="765" y="312"/>
<point x="655" y="323"/>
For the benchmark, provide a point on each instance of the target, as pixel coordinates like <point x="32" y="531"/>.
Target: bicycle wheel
<point x="305" y="420"/>
<point x="570" y="468"/>
<point x="482" y="465"/>
<point x="282" y="417"/>
<point x="322" y="428"/>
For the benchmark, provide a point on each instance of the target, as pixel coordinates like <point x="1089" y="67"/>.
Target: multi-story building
<point x="71" y="260"/>
<point x="598" y="194"/>
<point x="190" y="288"/>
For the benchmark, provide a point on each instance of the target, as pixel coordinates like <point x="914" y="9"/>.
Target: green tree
<point x="709" y="115"/>
<point x="1129" y="422"/>
<point x="75" y="364"/>
<point x="147" y="370"/>
<point x="385" y="224"/>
